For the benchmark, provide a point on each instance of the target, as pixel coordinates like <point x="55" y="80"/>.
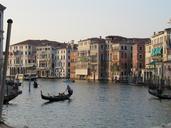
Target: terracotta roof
<point x="40" y="43"/>
<point x="120" y="39"/>
<point x="139" y="40"/>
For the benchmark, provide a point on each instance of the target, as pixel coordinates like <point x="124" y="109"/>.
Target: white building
<point x="45" y="61"/>
<point x="21" y="58"/>
<point x="63" y="62"/>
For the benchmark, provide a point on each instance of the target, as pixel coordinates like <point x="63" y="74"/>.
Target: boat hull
<point x="11" y="97"/>
<point x="55" y="98"/>
<point x="160" y="96"/>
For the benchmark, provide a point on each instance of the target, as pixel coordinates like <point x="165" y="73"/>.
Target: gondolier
<point x="70" y="91"/>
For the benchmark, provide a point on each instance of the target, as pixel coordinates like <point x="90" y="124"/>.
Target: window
<point x="140" y="65"/>
<point x="95" y="46"/>
<point x="122" y="47"/>
<point x="125" y="55"/>
<point x="140" y="56"/>
<point x="126" y="65"/>
<point x="140" y="48"/>
<point x="122" y="54"/>
<point x="125" y="73"/>
<point x="101" y="47"/>
<point x="169" y="68"/>
<point x="125" y="47"/>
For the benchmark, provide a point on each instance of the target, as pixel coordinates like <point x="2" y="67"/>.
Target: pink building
<point x="138" y="57"/>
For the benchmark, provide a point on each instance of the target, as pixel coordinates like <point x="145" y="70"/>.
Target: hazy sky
<point x="65" y="20"/>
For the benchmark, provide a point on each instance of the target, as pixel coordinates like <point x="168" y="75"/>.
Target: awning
<point x="156" y="51"/>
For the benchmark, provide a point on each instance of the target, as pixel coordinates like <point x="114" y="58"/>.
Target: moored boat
<point x="10" y="97"/>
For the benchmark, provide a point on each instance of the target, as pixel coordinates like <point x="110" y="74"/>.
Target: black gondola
<point x="60" y="97"/>
<point x="155" y="93"/>
<point x="11" y="97"/>
<point x="35" y="85"/>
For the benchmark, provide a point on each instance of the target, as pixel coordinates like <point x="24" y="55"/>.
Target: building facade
<point x="120" y="57"/>
<point x="73" y="62"/>
<point x="158" y="60"/>
<point x="138" y="58"/>
<point x="22" y="56"/>
<point x="45" y="61"/>
<point x="89" y="61"/>
<point x="63" y="62"/>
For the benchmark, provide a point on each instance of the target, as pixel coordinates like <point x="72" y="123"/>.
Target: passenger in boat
<point x="61" y="94"/>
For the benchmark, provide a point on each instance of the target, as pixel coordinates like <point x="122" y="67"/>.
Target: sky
<point x="65" y="20"/>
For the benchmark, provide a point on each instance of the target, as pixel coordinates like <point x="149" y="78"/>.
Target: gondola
<point x="155" y="93"/>
<point x="11" y="97"/>
<point x="60" y="97"/>
<point x="56" y="98"/>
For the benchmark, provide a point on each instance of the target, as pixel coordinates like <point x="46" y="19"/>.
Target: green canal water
<point x="93" y="105"/>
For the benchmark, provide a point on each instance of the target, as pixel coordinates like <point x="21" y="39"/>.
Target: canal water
<point x="93" y="105"/>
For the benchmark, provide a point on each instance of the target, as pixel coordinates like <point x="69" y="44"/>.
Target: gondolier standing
<point x="70" y="91"/>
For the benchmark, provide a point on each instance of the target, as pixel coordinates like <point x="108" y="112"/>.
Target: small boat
<point x="11" y="97"/>
<point x="155" y="93"/>
<point x="35" y="85"/>
<point x="56" y="98"/>
<point x="60" y="97"/>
